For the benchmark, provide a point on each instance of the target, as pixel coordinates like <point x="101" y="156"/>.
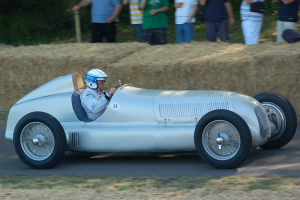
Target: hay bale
<point x="3" y="46"/>
<point x="25" y="68"/>
<point x="271" y="67"/>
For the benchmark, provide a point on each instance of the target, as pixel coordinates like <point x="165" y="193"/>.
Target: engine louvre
<point x="173" y="106"/>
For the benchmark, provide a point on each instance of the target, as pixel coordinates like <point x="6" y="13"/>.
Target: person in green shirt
<point x="155" y="21"/>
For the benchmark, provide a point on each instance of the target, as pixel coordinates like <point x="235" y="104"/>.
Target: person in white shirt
<point x="95" y="99"/>
<point x="184" y="19"/>
<point x="136" y="17"/>
<point x="251" y="22"/>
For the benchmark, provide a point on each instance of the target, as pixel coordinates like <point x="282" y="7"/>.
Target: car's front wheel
<point x="223" y="139"/>
<point x="282" y="114"/>
<point x="39" y="140"/>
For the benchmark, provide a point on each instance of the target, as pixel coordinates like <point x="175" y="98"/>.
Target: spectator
<point x="155" y="21"/>
<point x="104" y="17"/>
<point x="288" y="16"/>
<point x="216" y="13"/>
<point x="184" y="19"/>
<point x="251" y="22"/>
<point x="136" y="17"/>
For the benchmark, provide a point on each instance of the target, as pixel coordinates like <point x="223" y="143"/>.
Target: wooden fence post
<point x="77" y="27"/>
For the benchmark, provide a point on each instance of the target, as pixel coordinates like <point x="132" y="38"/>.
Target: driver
<point x="95" y="99"/>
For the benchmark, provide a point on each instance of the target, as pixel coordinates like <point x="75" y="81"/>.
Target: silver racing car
<point x="222" y="126"/>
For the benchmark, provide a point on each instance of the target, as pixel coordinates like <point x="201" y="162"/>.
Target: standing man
<point x="104" y="17"/>
<point x="288" y="16"/>
<point x="155" y="21"/>
<point x="136" y="17"/>
<point x="216" y="14"/>
<point x="184" y="19"/>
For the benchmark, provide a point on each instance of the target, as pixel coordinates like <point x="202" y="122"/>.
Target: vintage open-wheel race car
<point x="222" y="126"/>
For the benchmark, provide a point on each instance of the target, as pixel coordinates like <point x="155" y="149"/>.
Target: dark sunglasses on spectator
<point x="101" y="82"/>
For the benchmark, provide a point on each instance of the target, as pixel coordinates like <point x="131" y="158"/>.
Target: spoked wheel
<point x="39" y="140"/>
<point x="221" y="145"/>
<point x="282" y="114"/>
<point x="223" y="139"/>
<point x="277" y="117"/>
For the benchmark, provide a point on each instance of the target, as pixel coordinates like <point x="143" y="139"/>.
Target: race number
<point x="115" y="106"/>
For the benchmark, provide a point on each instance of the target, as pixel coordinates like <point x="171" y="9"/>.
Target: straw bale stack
<point x="25" y="68"/>
<point x="3" y="46"/>
<point x="268" y="67"/>
<point x="271" y="67"/>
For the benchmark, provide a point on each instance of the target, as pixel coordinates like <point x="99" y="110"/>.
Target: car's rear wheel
<point x="282" y="114"/>
<point x="223" y="139"/>
<point x="39" y="140"/>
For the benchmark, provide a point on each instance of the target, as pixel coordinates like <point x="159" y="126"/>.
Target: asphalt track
<point x="283" y="162"/>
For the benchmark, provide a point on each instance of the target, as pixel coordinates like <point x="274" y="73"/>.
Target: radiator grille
<point x="264" y="123"/>
<point x="189" y="110"/>
<point x="75" y="139"/>
<point x="192" y="93"/>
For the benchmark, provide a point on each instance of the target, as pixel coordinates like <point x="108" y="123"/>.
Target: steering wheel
<point x="119" y="85"/>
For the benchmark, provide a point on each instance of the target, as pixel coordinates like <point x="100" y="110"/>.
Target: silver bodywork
<point x="138" y="120"/>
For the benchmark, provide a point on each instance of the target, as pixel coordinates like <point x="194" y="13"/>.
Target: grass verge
<point x="166" y="184"/>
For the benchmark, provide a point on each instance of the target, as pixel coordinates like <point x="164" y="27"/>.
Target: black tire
<point x="205" y="147"/>
<point x="41" y="134"/>
<point x="274" y="105"/>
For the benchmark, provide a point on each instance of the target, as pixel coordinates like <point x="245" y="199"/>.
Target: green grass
<point x="268" y="184"/>
<point x="141" y="183"/>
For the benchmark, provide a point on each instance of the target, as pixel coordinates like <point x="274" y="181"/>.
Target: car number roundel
<point x="115" y="106"/>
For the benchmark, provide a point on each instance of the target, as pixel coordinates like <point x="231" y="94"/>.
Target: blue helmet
<point x="93" y="75"/>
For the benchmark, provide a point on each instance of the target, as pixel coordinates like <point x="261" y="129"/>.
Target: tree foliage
<point x="21" y="20"/>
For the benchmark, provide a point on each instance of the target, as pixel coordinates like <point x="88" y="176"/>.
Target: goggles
<point x="101" y="81"/>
